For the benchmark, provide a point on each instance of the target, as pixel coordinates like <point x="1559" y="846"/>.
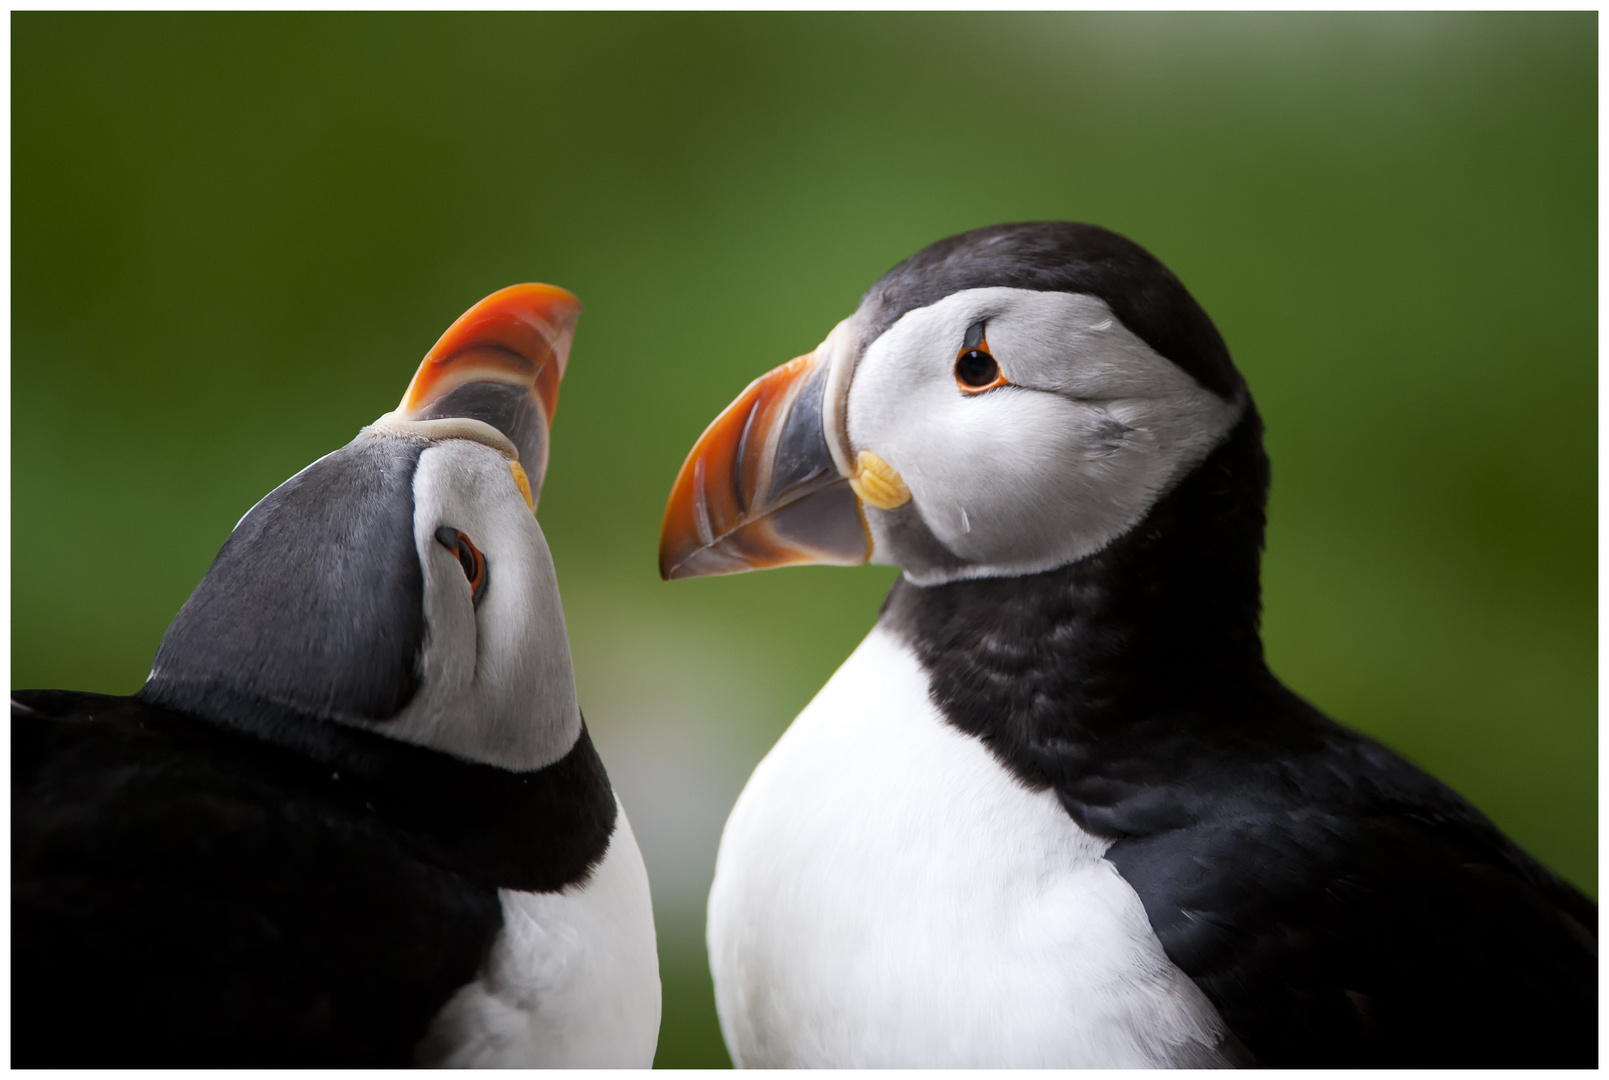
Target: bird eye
<point x="469" y="557"/>
<point x="976" y="370"/>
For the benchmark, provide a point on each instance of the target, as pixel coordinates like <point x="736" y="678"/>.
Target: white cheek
<point x="524" y="648"/>
<point x="1019" y="479"/>
<point x="497" y="682"/>
<point x="999" y="473"/>
<point x="449" y="658"/>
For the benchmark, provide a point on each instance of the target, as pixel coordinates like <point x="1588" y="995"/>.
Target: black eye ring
<point x="469" y="558"/>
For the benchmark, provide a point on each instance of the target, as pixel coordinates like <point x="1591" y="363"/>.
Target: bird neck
<point x="1165" y="619"/>
<point x="537" y="830"/>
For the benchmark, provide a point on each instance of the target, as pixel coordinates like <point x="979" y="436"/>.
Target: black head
<point x="315" y="604"/>
<point x="1062" y="256"/>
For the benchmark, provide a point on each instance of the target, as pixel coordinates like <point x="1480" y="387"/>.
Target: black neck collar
<point x="535" y="831"/>
<point x="1163" y="621"/>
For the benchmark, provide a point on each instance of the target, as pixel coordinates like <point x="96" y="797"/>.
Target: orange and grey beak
<point x="767" y="483"/>
<point x="500" y="364"/>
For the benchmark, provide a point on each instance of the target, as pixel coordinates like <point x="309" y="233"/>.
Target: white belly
<point x="888" y="895"/>
<point x="572" y="981"/>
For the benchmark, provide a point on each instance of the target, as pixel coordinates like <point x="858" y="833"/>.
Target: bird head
<point x="1003" y="402"/>
<point x="402" y="583"/>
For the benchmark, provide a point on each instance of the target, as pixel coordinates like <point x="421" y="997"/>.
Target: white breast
<point x="888" y="895"/>
<point x="572" y="981"/>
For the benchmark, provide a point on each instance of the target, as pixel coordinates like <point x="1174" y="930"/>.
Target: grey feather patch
<point x="1107" y="438"/>
<point x="508" y="408"/>
<point x="315" y="602"/>
<point x="802" y="452"/>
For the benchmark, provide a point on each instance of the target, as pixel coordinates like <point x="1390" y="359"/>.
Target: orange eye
<point x="975" y="369"/>
<point x="469" y="557"/>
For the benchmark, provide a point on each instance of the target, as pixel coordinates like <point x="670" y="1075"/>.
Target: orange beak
<point x="501" y="363"/>
<point x="761" y="487"/>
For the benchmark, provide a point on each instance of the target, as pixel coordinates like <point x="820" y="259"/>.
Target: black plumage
<point x="1336" y="904"/>
<point x="186" y="894"/>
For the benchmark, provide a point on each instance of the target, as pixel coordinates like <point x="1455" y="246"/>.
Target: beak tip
<point x="514" y="335"/>
<point x="527" y="317"/>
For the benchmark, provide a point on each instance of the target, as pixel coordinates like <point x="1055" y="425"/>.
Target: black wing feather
<point x="1379" y="921"/>
<point x="183" y="895"/>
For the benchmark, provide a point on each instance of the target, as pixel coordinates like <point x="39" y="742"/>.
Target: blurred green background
<point x="234" y="236"/>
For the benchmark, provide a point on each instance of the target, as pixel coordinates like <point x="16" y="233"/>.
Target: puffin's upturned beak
<point x="763" y="486"/>
<point x="501" y="363"/>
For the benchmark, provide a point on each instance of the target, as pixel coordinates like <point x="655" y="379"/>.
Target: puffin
<point x="353" y="818"/>
<point x="1055" y="810"/>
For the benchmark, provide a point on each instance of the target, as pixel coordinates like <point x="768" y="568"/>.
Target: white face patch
<point x="498" y="687"/>
<point x="1094" y="428"/>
